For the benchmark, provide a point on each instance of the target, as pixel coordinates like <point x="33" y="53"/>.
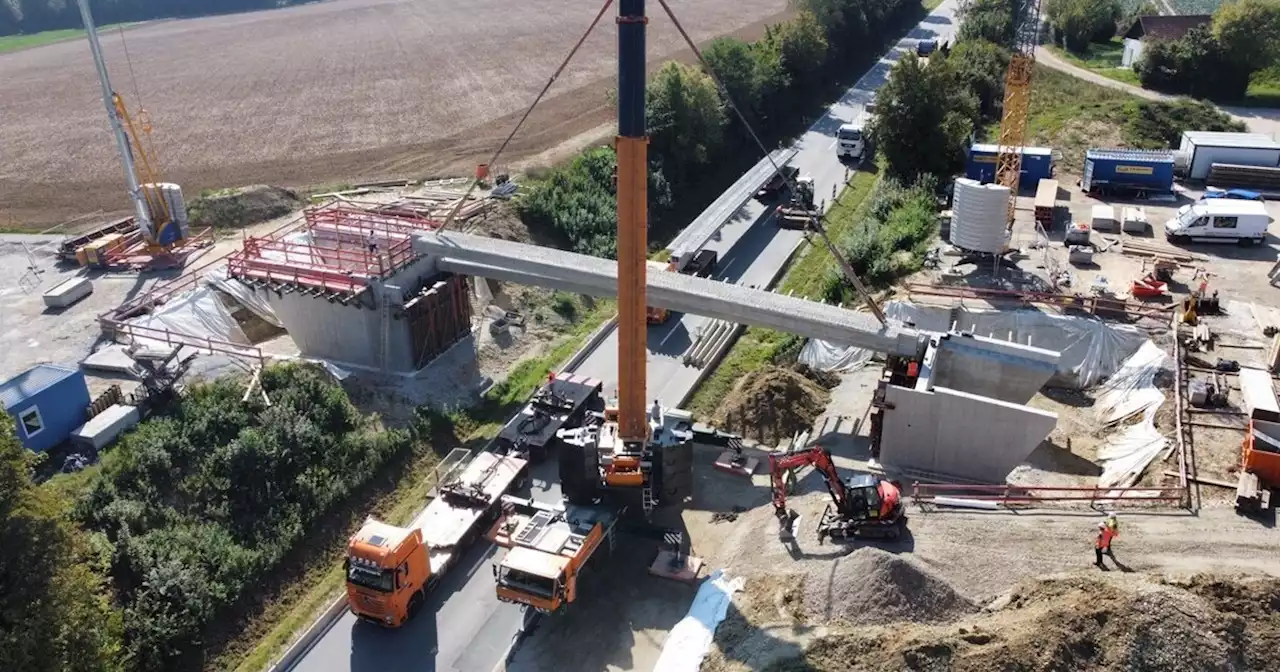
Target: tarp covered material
<point x="255" y="300"/>
<point x="1130" y="391"/>
<point x="688" y="642"/>
<point x="1091" y="349"/>
<point x="196" y="314"/>
<point x="826" y="356"/>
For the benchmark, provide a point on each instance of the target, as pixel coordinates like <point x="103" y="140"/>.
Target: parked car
<point x="926" y="47"/>
<point x="1242" y="194"/>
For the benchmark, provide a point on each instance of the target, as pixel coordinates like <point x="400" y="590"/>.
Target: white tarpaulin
<point x="1130" y="391"/>
<point x="826" y="356"/>
<point x="253" y="299"/>
<point x="1091" y="348"/>
<point x="196" y="314"/>
<point x="687" y="643"/>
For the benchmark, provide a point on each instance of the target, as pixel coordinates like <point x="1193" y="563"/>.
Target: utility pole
<point x="117" y="125"/>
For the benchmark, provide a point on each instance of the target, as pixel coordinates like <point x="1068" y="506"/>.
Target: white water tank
<point x="978" y="219"/>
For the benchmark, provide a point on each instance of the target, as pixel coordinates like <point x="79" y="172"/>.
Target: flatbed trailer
<point x="561" y="403"/>
<point x="390" y="569"/>
<point x="67" y="248"/>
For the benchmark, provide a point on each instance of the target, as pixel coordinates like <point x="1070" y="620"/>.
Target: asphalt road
<point x="471" y="631"/>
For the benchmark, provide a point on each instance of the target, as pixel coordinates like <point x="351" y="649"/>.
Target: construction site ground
<point x="798" y="599"/>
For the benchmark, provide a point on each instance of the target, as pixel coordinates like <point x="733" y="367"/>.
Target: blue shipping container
<point x="1037" y="164"/>
<point x="47" y="403"/>
<point x="1127" y="171"/>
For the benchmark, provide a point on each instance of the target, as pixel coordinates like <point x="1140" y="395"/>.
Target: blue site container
<point x="47" y="403"/>
<point x="1127" y="171"/>
<point x="1037" y="164"/>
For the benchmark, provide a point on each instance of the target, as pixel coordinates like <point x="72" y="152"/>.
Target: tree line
<point x="692" y="130"/>
<point x="34" y="16"/>
<point x="187" y="517"/>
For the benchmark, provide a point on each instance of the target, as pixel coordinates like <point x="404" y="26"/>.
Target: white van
<point x="1220" y="220"/>
<point x="851" y="141"/>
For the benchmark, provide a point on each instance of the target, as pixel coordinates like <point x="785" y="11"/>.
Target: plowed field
<point x="328" y="92"/>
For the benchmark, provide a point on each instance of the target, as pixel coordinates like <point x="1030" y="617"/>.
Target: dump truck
<point x="548" y="548"/>
<point x="391" y="569"/>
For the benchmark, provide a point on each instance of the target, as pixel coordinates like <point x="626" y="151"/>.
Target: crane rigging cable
<point x="814" y="220"/>
<point x="547" y="87"/>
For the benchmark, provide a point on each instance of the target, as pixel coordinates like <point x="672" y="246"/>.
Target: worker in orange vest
<point x="1102" y="543"/>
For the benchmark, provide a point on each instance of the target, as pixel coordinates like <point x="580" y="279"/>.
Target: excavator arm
<point x="820" y="459"/>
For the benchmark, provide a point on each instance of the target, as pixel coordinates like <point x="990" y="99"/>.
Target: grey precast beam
<point x="533" y="265"/>
<point x="696" y="235"/>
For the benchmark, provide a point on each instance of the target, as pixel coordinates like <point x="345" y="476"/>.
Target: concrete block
<point x="106" y="426"/>
<point x="67" y="293"/>
<point x="987" y="367"/>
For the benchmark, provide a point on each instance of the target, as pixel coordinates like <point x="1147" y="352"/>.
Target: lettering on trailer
<point x="984" y="158"/>
<point x="1134" y="170"/>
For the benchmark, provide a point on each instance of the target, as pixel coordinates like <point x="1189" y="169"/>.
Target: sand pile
<point x="871" y="586"/>
<point x="1123" y="623"/>
<point x="772" y="404"/>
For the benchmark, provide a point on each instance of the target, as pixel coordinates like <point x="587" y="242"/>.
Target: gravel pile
<point x="871" y="586"/>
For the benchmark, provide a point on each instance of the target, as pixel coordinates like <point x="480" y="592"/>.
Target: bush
<point x="900" y="223"/>
<point x="199" y="505"/>
<point x="1159" y="125"/>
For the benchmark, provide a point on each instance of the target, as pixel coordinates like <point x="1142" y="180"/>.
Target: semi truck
<point x="391" y="569"/>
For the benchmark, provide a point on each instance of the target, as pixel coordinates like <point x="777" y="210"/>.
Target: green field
<point x="1103" y="59"/>
<point x="18" y="42"/>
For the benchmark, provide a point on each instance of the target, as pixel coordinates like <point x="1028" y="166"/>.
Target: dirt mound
<point x="871" y="587"/>
<point x="246" y="206"/>
<point x="772" y="404"/>
<point x="1124" y="623"/>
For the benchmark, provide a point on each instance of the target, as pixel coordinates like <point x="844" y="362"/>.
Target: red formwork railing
<point x="168" y="337"/>
<point x="1028" y="495"/>
<point x="348" y="246"/>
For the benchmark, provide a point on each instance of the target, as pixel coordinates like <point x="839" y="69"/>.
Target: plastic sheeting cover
<point x="198" y="313"/>
<point x="1091" y="348"/>
<point x="687" y="643"/>
<point x="253" y="299"/>
<point x="1130" y="391"/>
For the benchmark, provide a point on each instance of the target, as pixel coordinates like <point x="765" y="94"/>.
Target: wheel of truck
<point x="1247" y="242"/>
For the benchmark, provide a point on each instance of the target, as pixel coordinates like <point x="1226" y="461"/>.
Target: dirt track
<point x="329" y="92"/>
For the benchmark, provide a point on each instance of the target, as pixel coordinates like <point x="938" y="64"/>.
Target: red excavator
<point x="865" y="506"/>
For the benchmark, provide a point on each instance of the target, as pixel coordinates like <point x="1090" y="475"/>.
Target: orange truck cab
<point x="388" y="571"/>
<point x="549" y="546"/>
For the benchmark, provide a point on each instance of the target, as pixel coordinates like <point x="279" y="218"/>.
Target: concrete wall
<point x="989" y="368"/>
<point x="957" y="434"/>
<point x="353" y="333"/>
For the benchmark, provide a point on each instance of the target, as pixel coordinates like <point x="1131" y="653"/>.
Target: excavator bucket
<point x="787" y="525"/>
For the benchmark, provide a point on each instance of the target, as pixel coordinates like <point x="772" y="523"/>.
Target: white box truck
<point x="1220" y="220"/>
<point x="1199" y="150"/>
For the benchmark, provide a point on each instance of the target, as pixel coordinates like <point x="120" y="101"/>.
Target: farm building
<point x="46" y="402"/>
<point x="1157" y="28"/>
